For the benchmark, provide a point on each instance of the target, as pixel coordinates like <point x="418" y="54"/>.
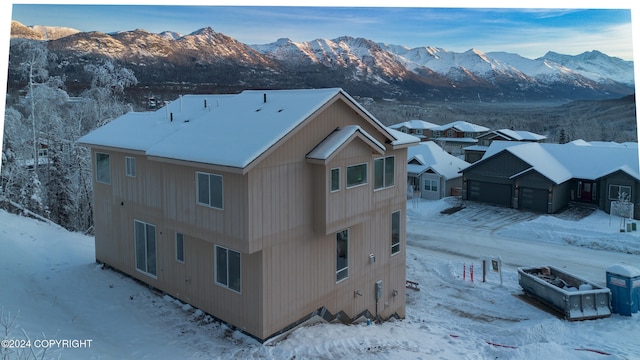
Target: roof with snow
<point x="341" y="136"/>
<point x="431" y="156"/>
<point x="414" y="124"/>
<point x="228" y="130"/>
<point x="519" y="135"/>
<point x="579" y="160"/>
<point x="461" y="126"/>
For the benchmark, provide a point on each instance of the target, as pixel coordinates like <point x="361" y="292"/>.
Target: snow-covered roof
<point x="431" y="156"/>
<point x="520" y="135"/>
<point x="462" y="126"/>
<point x="402" y="138"/>
<point x="227" y="130"/>
<point x="581" y="160"/>
<point x="414" y="124"/>
<point x="339" y="137"/>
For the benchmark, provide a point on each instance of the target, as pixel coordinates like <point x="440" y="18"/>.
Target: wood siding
<point x="288" y="267"/>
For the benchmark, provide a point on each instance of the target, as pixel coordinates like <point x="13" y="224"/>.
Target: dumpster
<point x="624" y="283"/>
<point x="573" y="297"/>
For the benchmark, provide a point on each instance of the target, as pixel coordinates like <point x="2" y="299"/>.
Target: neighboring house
<point x="418" y="128"/>
<point x="475" y="152"/>
<point x="546" y="177"/>
<point x="456" y="136"/>
<point x="264" y="209"/>
<point x="432" y="172"/>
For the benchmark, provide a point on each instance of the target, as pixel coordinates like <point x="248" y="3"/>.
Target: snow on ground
<point x="53" y="289"/>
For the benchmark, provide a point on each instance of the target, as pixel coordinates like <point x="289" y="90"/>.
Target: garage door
<point x="491" y="193"/>
<point x="533" y="199"/>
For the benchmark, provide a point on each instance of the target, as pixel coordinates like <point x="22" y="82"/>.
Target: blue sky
<point x="528" y="32"/>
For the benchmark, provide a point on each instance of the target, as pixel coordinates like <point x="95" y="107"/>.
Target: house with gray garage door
<point x="546" y="178"/>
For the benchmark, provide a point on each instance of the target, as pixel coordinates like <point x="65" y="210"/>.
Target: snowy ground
<point x="52" y="289"/>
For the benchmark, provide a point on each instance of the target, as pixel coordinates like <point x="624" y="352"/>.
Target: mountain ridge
<point x="361" y="66"/>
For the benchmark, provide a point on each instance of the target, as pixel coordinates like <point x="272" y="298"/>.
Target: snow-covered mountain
<point x="361" y="66"/>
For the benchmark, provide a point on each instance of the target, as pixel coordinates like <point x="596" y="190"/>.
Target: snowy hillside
<point x="53" y="290"/>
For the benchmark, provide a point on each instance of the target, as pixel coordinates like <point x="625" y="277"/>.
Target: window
<point x="356" y="175"/>
<point x="430" y="185"/>
<point x="209" y="190"/>
<point x="180" y="247"/>
<point x="145" y="242"/>
<point x="103" y="168"/>
<point x="130" y="166"/>
<point x="335" y="179"/>
<point x="227" y="268"/>
<point x="450" y="133"/>
<point x="619" y="192"/>
<point x="43" y="152"/>
<point x="419" y="131"/>
<point x="342" y="255"/>
<point x="395" y="232"/>
<point x="383" y="172"/>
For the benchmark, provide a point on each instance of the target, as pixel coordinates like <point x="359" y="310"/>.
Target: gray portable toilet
<point x="624" y="283"/>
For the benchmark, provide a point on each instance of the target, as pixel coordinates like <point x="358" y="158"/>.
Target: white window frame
<point x="365" y="172"/>
<point x="431" y="182"/>
<point x="103" y="175"/>
<point x="200" y="176"/>
<point x="342" y="273"/>
<point x="180" y="247"/>
<point x="395" y="233"/>
<point x="331" y="188"/>
<point x="145" y="268"/>
<point x="388" y="180"/>
<point x="619" y="189"/>
<point x="224" y="280"/>
<point x="130" y="166"/>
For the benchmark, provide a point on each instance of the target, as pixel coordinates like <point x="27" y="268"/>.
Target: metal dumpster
<point x="573" y="297"/>
<point x="624" y="283"/>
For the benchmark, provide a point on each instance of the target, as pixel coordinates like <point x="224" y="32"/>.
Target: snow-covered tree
<point x="108" y="82"/>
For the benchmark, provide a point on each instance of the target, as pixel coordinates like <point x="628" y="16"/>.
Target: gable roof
<point x="339" y="137"/>
<point x="517" y="135"/>
<point x="227" y="130"/>
<point x="414" y="124"/>
<point x="431" y="156"/>
<point x="461" y="126"/>
<point x="580" y="160"/>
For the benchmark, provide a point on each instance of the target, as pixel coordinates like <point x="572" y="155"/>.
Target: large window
<point x="335" y="179"/>
<point x="130" y="166"/>
<point x="103" y="168"/>
<point x="145" y="242"/>
<point x="342" y="255"/>
<point x="210" y="190"/>
<point x="619" y="192"/>
<point x="356" y="175"/>
<point x="384" y="172"/>
<point x="180" y="247"/>
<point x="228" y="268"/>
<point x="395" y="232"/>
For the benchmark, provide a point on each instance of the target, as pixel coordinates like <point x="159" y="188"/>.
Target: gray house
<point x="476" y="152"/>
<point x="432" y="172"/>
<point x="546" y="178"/>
